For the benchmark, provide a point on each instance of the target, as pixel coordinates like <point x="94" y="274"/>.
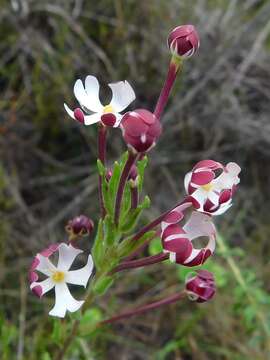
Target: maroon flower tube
<point x="184" y="41"/>
<point x="201" y="287"/>
<point x="141" y="129"/>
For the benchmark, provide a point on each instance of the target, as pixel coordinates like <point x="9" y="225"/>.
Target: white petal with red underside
<point x="46" y="285"/>
<point x="88" y="119"/>
<point x="67" y="254"/>
<point x="122" y="95"/>
<point x="45" y="266"/>
<point x="64" y="301"/>
<point x="228" y="178"/>
<point x="80" y="276"/>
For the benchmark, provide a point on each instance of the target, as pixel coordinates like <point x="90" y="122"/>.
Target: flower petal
<point x="45" y="266"/>
<point x="122" y="95"/>
<point x="45" y="285"/>
<point x="67" y="254"/>
<point x="199" y="224"/>
<point x="81" y="276"/>
<point x="92" y="90"/>
<point x="64" y="301"/>
<point x="91" y="119"/>
<point x="69" y="111"/>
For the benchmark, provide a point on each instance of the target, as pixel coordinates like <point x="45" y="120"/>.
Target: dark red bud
<point x="80" y="226"/>
<point x="108" y="174"/>
<point x="79" y="115"/>
<point x="183" y="40"/>
<point x="201" y="287"/>
<point x="141" y="129"/>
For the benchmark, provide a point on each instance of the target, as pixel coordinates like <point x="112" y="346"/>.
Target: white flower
<point x="212" y="185"/>
<point x="88" y="97"/>
<point x="59" y="276"/>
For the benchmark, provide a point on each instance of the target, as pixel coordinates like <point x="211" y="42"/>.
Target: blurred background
<point x="219" y="109"/>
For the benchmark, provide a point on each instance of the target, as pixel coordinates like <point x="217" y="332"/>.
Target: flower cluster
<point x="210" y="188"/>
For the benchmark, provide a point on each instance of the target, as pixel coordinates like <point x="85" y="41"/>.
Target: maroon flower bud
<point x="201" y="287"/>
<point x="79" y="115"/>
<point x="79" y="226"/>
<point x="183" y="40"/>
<point x="108" y="174"/>
<point x="141" y="129"/>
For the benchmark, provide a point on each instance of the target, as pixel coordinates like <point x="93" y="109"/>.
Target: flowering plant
<point x="118" y="245"/>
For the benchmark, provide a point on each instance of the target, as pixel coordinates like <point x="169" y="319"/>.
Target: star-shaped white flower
<point x="59" y="276"/>
<point x="92" y="111"/>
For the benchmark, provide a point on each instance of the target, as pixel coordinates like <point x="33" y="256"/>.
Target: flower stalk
<point x="149" y="260"/>
<point x="142" y="309"/>
<point x="176" y="64"/>
<point x="102" y="132"/>
<point x="122" y="182"/>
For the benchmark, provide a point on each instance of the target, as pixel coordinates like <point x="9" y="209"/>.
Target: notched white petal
<point x="92" y="91"/>
<point x="80" y="276"/>
<point x="46" y="285"/>
<point x="122" y="95"/>
<point x="69" y="111"/>
<point x="64" y="301"/>
<point x="67" y="254"/>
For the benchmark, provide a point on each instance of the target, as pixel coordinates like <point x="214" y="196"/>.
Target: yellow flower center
<point x="207" y="187"/>
<point x="108" y="109"/>
<point x="58" y="276"/>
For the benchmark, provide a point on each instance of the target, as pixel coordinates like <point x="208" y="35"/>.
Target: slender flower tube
<point x="200" y="287"/>
<point x="122" y="182"/>
<point x="212" y="185"/>
<point x="133" y="264"/>
<point x="177" y="240"/>
<point x="59" y="276"/>
<point x="102" y="133"/>
<point x="92" y="111"/>
<point x="142" y="309"/>
<point x="175" y="65"/>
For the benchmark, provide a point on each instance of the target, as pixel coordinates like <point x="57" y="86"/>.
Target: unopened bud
<point x="183" y="41"/>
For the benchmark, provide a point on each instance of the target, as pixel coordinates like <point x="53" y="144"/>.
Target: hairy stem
<point x="134" y="197"/>
<point x="149" y="260"/>
<point x="102" y="132"/>
<point x="142" y="309"/>
<point x="121" y="186"/>
<point x="174" y="67"/>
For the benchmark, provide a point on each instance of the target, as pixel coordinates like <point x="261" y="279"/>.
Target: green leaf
<point x="129" y="221"/>
<point x="114" y="180"/>
<point x="57" y="331"/>
<point x="146" y="203"/>
<point x="102" y="285"/>
<point x="101" y="168"/>
<point x="128" y="245"/>
<point x="98" y="248"/>
<point x="91" y="316"/>
<point x="110" y="235"/>
<point x="141" y="166"/>
<point x="155" y="246"/>
<point x="108" y="200"/>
